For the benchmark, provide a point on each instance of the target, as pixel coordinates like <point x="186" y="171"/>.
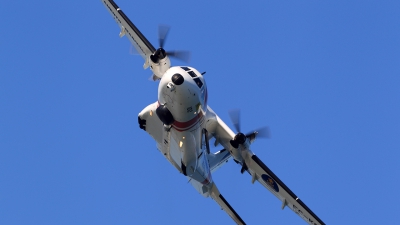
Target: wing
<point x="214" y="192"/>
<point x="138" y="40"/>
<point x="260" y="172"/>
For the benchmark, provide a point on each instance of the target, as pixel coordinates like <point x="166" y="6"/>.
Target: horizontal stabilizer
<point x="218" y="159"/>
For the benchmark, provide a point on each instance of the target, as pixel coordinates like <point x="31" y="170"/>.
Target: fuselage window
<point x="185" y="68"/>
<point x="192" y="74"/>
<point x="198" y="82"/>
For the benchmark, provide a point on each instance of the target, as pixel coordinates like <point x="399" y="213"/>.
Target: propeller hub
<point x="158" y="55"/>
<point x="240" y="138"/>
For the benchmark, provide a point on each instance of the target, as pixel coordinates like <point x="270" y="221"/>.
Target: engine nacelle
<point x="159" y="64"/>
<point x="165" y="115"/>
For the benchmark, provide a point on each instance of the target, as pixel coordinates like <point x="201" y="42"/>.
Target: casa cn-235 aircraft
<point x="182" y="124"/>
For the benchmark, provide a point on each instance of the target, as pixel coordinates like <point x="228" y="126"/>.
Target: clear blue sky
<point x="324" y="75"/>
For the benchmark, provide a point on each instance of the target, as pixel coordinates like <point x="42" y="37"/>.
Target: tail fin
<point x="218" y="159"/>
<point x="203" y="190"/>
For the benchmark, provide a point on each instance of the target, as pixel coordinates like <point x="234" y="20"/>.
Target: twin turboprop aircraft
<point x="182" y="124"/>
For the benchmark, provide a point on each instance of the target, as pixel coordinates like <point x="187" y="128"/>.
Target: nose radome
<point x="177" y="79"/>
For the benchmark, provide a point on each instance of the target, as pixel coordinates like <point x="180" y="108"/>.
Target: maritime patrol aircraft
<point x="182" y="124"/>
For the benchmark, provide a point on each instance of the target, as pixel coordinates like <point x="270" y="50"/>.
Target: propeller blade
<point x="163" y="31"/>
<point x="181" y="55"/>
<point x="153" y="78"/>
<point x="132" y="50"/>
<point x="162" y="34"/>
<point x="235" y="118"/>
<point x="263" y="132"/>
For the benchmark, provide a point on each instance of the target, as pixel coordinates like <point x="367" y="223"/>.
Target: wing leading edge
<point x="138" y="40"/>
<point x="259" y="171"/>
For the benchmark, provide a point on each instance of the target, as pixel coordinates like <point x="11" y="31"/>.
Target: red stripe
<point x="182" y="126"/>
<point x="208" y="179"/>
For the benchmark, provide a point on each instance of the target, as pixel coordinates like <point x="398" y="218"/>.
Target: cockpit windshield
<point x="198" y="82"/>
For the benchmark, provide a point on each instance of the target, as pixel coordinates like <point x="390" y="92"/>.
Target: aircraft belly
<point x="192" y="155"/>
<point x="181" y="146"/>
<point x="174" y="152"/>
<point x="169" y="152"/>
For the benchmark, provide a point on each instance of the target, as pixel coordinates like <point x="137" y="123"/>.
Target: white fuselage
<point x="182" y="110"/>
<point x="187" y="102"/>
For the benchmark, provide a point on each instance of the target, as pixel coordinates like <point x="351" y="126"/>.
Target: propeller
<point x="160" y="53"/>
<point x="235" y="118"/>
<point x="163" y="31"/>
<point x="262" y="132"/>
<point x="240" y="138"/>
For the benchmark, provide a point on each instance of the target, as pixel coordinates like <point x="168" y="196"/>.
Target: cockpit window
<point x="198" y="82"/>
<point x="185" y="68"/>
<point x="192" y="74"/>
